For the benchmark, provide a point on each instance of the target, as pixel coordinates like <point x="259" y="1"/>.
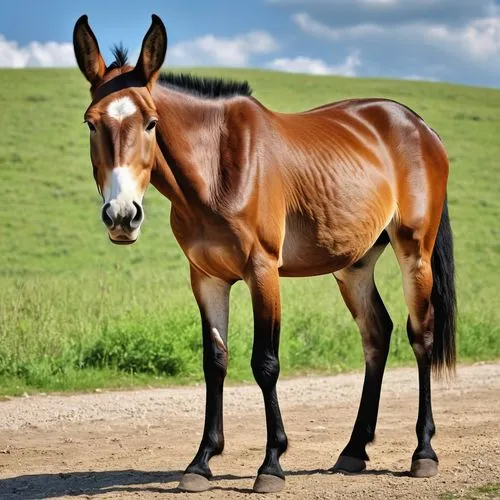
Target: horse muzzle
<point x="123" y="220"/>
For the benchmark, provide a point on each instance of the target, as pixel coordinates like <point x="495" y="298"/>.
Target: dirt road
<point x="135" y="444"/>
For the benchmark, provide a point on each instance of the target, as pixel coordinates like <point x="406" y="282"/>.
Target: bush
<point x="144" y="348"/>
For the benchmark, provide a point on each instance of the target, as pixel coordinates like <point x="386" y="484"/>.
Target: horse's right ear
<point x="87" y="53"/>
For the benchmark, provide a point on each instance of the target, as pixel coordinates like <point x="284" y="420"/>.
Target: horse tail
<point x="443" y="298"/>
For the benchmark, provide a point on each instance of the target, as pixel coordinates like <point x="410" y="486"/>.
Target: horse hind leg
<point x="360" y="294"/>
<point x="413" y="248"/>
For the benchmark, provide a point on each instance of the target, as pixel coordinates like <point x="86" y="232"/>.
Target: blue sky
<point x="446" y="40"/>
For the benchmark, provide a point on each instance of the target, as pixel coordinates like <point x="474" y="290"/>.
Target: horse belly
<point x="307" y="251"/>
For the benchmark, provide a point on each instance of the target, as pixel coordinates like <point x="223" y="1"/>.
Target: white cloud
<point x="420" y="78"/>
<point x="206" y="50"/>
<point x="481" y="6"/>
<point x="478" y="40"/>
<point x="316" y="66"/>
<point x="337" y="17"/>
<point x="317" y="29"/>
<point x="212" y="50"/>
<point x="35" y="54"/>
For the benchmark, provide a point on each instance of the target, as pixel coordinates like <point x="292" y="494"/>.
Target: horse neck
<point x="188" y="153"/>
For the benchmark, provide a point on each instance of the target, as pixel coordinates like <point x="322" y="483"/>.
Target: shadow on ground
<point x="35" y="486"/>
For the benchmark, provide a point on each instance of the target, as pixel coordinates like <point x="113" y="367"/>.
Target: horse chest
<point x="215" y="258"/>
<point x="213" y="248"/>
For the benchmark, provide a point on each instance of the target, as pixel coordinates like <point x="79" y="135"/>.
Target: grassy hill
<point x="77" y="312"/>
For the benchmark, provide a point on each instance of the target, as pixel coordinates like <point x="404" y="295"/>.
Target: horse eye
<point x="151" y="125"/>
<point x="90" y="126"/>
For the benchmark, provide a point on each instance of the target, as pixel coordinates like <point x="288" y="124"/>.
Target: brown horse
<point x="256" y="195"/>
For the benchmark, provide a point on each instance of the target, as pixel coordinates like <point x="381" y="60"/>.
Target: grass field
<point x="77" y="312"/>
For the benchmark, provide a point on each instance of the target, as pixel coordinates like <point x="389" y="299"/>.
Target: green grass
<point x="486" y="491"/>
<point x="77" y="312"/>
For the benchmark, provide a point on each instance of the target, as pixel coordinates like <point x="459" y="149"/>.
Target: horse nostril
<point x="105" y="216"/>
<point x="137" y="219"/>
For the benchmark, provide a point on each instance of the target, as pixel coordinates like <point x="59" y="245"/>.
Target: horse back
<point x="348" y="171"/>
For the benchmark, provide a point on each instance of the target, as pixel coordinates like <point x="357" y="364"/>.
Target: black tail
<point x="443" y="298"/>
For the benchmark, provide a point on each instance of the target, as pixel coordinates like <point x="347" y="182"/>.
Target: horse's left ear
<point x="154" y="48"/>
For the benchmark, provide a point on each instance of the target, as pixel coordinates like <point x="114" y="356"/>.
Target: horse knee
<point x="376" y="334"/>
<point x="215" y="356"/>
<point x="266" y="370"/>
<point x="376" y="346"/>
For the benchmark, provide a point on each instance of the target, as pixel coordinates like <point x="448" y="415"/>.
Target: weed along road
<point x="136" y="443"/>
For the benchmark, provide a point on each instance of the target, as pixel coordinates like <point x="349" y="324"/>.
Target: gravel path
<point x="136" y="443"/>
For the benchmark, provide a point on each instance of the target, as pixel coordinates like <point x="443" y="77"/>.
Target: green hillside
<point x="77" y="312"/>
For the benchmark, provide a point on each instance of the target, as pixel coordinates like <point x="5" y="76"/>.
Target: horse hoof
<point x="265" y="483"/>
<point x="194" y="483"/>
<point x="349" y="465"/>
<point x="424" y="467"/>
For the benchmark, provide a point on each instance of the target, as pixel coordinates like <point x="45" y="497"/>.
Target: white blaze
<point x="120" y="183"/>
<point x="121" y="108"/>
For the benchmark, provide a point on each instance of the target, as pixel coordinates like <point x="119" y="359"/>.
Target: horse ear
<point x="87" y="53"/>
<point x="154" y="48"/>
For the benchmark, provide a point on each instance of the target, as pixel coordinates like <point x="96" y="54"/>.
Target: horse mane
<point x="120" y="54"/>
<point x="203" y="86"/>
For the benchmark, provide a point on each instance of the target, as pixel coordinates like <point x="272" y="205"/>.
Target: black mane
<point x="121" y="56"/>
<point x="204" y="86"/>
<point x="191" y="84"/>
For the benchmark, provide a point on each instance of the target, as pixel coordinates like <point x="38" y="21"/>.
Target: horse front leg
<point x="264" y="286"/>
<point x="212" y="296"/>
